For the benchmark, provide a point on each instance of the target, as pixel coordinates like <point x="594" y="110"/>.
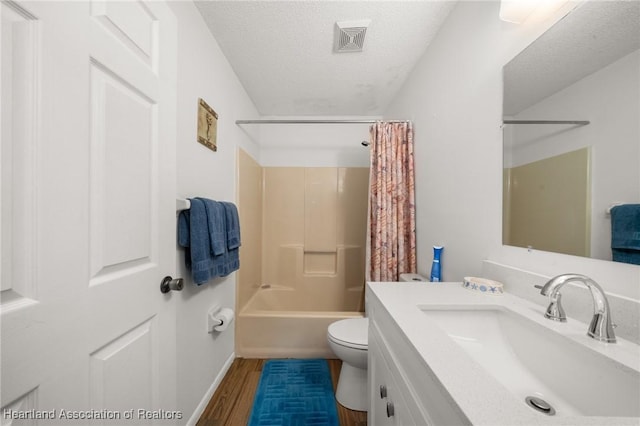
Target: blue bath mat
<point x="294" y="392"/>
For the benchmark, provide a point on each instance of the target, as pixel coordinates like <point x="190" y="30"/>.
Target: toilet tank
<point x="403" y="278"/>
<point x="412" y="277"/>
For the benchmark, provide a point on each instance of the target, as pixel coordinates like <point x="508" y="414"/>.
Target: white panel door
<point x="88" y="212"/>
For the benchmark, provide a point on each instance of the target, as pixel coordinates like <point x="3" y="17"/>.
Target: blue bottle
<point x="436" y="274"/>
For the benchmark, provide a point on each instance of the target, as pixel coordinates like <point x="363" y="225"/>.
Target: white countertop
<point x="478" y="394"/>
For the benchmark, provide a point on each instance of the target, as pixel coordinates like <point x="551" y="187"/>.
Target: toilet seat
<point x="351" y="332"/>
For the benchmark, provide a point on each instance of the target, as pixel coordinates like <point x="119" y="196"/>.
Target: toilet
<point x="349" y="340"/>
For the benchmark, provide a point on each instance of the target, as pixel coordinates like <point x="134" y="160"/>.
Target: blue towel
<point x="233" y="225"/>
<point x="193" y="233"/>
<point x="203" y="230"/>
<point x="217" y="226"/>
<point x="625" y="233"/>
<point x="184" y="239"/>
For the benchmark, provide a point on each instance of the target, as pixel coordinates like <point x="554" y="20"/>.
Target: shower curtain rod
<point x="286" y="121"/>
<point x="347" y="121"/>
<point x="578" y="122"/>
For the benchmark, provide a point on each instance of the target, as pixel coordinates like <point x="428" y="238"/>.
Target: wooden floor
<point x="232" y="401"/>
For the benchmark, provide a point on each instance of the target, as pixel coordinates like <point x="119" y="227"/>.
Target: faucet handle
<point x="555" y="311"/>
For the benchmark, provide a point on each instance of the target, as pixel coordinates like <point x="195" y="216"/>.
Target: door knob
<point x="169" y="284"/>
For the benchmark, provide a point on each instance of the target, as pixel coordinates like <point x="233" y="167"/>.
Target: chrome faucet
<point x="601" y="327"/>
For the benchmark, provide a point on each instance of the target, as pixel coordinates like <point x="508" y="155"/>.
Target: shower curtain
<point x="391" y="234"/>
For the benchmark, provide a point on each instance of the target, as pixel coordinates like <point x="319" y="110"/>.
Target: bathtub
<point x="276" y="323"/>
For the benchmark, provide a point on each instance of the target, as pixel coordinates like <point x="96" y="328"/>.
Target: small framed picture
<point x="207" y="125"/>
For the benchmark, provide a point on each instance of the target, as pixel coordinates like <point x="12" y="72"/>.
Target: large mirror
<point x="561" y="177"/>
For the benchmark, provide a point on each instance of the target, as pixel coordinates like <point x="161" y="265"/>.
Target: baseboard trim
<point x="272" y="352"/>
<point x="207" y="396"/>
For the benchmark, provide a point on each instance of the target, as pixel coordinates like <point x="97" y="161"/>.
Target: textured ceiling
<point x="282" y="51"/>
<point x="594" y="35"/>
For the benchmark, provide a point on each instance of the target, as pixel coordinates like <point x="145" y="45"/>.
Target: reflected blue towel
<point x="193" y="233"/>
<point x="217" y="227"/>
<point x="625" y="233"/>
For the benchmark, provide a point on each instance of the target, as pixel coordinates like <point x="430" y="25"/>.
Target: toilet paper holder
<point x="214" y="320"/>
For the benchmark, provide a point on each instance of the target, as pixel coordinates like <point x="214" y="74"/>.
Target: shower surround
<point x="309" y="270"/>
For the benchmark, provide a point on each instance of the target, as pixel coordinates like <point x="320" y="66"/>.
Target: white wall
<point x="314" y="145"/>
<point x="203" y="72"/>
<point x="454" y="97"/>
<point x="609" y="99"/>
<point x="455" y="104"/>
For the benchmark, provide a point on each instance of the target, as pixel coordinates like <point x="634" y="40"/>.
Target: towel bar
<point x="182" y="204"/>
<point x="608" y="211"/>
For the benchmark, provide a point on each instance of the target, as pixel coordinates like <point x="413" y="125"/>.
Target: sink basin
<point x="531" y="360"/>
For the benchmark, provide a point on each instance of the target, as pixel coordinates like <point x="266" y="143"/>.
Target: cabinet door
<point x="396" y="406"/>
<point x="378" y="380"/>
<point x="386" y="405"/>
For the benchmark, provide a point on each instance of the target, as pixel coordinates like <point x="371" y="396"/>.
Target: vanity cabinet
<point x="403" y="391"/>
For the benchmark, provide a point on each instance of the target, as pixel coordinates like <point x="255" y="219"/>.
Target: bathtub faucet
<point x="601" y="327"/>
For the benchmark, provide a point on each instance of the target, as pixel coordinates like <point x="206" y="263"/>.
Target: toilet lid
<point x="350" y="332"/>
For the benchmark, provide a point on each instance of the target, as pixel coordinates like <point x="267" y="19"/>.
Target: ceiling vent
<point x="349" y="35"/>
